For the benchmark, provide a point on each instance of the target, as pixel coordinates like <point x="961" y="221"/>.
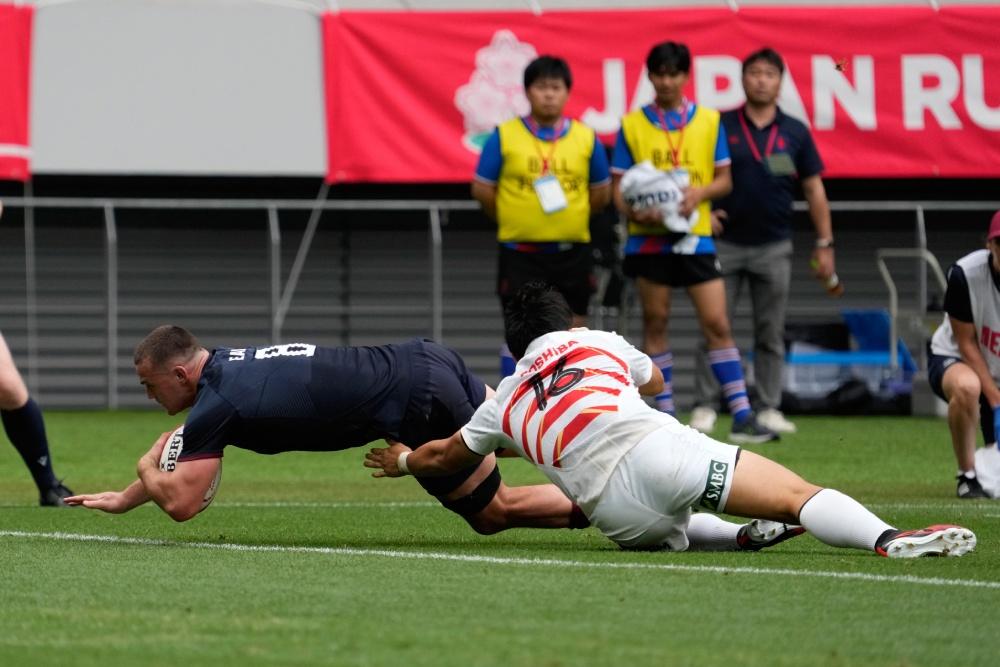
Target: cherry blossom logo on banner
<point x="495" y="91"/>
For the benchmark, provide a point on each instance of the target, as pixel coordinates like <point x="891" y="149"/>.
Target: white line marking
<point x="15" y="150"/>
<point x="498" y="560"/>
<point x="345" y="504"/>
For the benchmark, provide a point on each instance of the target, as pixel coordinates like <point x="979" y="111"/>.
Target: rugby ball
<point x="168" y="463"/>
<point x="644" y="186"/>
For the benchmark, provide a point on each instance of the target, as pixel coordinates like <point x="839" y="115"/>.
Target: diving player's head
<point x="535" y="310"/>
<point x="168" y="362"/>
<point x="668" y="66"/>
<point x="547" y="82"/>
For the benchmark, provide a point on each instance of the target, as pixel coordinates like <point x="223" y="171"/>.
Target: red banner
<point x="15" y="73"/>
<point x="887" y="92"/>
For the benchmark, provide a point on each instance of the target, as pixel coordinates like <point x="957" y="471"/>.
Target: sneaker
<point x="938" y="540"/>
<point x="969" y="487"/>
<point x="53" y="496"/>
<point x="760" y="534"/>
<point x="775" y="420"/>
<point x="751" y="432"/>
<point x="703" y="419"/>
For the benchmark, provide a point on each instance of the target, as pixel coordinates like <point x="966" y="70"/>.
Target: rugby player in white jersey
<point x="573" y="408"/>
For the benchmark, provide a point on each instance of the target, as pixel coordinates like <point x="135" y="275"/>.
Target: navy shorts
<point x="444" y="398"/>
<point x="673" y="270"/>
<point x="569" y="271"/>
<point x="937" y="364"/>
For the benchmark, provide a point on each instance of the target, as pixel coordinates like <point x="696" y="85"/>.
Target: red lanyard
<point x="557" y="129"/>
<point x="675" y="153"/>
<point x="753" y="144"/>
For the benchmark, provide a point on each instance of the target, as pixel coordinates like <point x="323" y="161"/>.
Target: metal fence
<point x="280" y="293"/>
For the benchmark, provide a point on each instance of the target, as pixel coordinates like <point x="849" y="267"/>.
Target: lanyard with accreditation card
<point x="778" y="164"/>
<point x="547" y="187"/>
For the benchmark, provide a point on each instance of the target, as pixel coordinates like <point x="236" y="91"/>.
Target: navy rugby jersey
<point x="300" y="397"/>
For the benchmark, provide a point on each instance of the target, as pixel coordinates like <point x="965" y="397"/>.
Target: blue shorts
<point x="937" y="364"/>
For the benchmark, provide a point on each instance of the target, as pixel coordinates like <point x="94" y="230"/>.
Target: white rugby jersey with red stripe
<point x="572" y="407"/>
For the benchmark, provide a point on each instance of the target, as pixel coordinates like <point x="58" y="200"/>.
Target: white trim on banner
<point x="15" y="150"/>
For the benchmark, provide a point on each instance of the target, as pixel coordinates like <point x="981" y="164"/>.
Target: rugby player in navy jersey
<point x="302" y="397"/>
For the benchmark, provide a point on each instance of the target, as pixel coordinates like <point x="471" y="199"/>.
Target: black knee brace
<point x="480" y="497"/>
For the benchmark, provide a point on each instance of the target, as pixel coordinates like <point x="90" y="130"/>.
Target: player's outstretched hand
<point x="384" y="459"/>
<point x="112" y="502"/>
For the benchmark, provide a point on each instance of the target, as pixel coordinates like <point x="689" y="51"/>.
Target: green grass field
<point x="303" y="559"/>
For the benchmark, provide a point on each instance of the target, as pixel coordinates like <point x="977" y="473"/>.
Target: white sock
<point x="841" y="521"/>
<point x="707" y="532"/>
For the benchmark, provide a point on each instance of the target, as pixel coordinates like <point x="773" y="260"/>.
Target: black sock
<point x="26" y="430"/>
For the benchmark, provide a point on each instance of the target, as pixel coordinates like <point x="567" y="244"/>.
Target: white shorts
<point x="648" y="500"/>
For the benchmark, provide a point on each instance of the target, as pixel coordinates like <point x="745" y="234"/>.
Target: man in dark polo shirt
<point x="772" y="154"/>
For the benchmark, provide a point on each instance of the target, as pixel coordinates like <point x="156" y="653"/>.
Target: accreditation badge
<point x="780" y="164"/>
<point x="550" y="194"/>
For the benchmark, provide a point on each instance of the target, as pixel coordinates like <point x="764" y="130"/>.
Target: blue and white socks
<point x="726" y="366"/>
<point x="665" y="399"/>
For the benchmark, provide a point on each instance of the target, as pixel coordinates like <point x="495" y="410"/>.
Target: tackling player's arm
<point x="968" y="347"/>
<point x="180" y="492"/>
<point x="432" y="459"/>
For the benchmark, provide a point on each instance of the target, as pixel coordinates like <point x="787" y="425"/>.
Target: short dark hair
<point x="165" y="344"/>
<point x="535" y="310"/>
<point x="547" y="67"/>
<point x="768" y="55"/>
<point x="669" y="57"/>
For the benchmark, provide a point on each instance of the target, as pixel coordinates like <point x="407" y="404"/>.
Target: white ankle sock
<point x="707" y="532"/>
<point x="841" y="521"/>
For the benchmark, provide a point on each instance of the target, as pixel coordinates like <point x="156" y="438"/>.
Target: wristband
<point x="824" y="243"/>
<point x="401" y="463"/>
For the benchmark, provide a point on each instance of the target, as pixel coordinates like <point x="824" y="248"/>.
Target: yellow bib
<point x="519" y="214"/>
<point x="697" y="154"/>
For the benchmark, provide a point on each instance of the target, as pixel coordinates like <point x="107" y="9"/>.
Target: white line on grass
<point x="345" y="504"/>
<point x="499" y="560"/>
